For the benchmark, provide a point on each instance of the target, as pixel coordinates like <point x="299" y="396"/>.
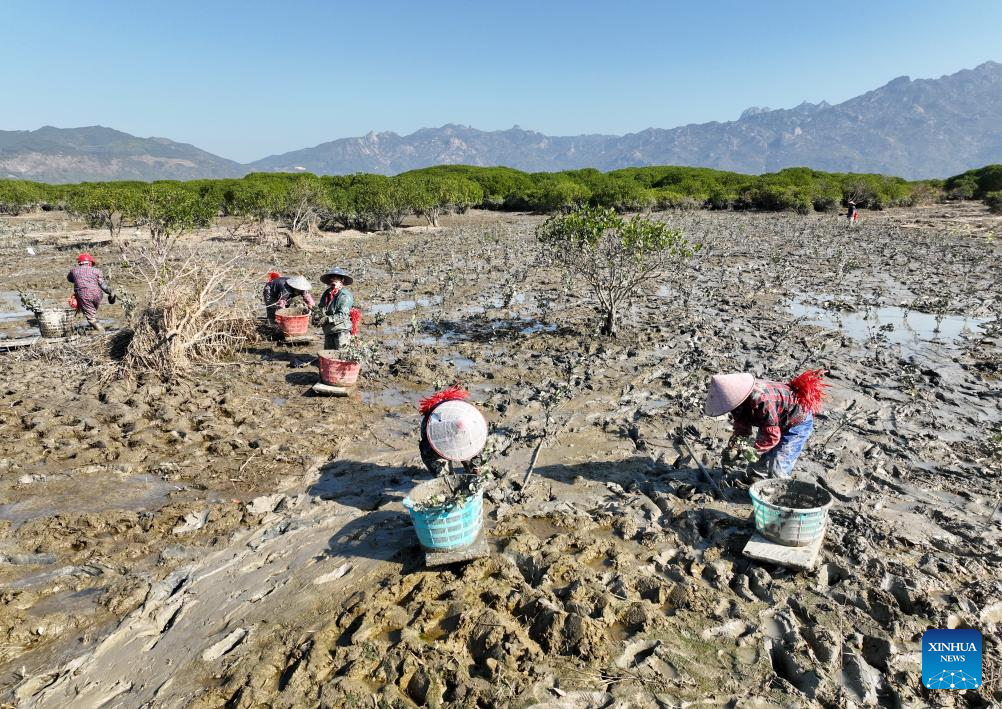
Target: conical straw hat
<point x="456" y="430"/>
<point x="726" y="392"/>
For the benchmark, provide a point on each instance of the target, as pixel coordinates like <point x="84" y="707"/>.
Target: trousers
<point x="780" y="460"/>
<point x="336" y="340"/>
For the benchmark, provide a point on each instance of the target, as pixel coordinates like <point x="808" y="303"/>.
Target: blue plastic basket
<point x="793" y="513"/>
<point x="446" y="528"/>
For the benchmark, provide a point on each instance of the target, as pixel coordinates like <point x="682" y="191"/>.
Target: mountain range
<point x="911" y="128"/>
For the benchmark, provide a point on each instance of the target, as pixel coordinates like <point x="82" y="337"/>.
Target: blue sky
<point x="249" y="79"/>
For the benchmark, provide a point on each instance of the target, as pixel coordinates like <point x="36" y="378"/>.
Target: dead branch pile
<point x="63" y="357"/>
<point x="192" y="316"/>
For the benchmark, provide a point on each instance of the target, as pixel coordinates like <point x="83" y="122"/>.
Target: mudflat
<point x="229" y="539"/>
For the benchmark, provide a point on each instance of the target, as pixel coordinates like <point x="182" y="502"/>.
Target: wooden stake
<point x="706" y="473"/>
<point x="532" y="462"/>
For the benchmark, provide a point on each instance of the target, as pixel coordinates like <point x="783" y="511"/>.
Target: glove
<point x="281" y="304"/>
<point x="112" y="298"/>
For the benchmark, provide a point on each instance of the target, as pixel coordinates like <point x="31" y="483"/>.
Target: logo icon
<point x="951" y="659"/>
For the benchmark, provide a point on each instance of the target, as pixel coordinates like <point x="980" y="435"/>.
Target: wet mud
<point x="233" y="541"/>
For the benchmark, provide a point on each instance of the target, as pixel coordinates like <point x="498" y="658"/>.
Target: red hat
<point x="272" y="275"/>
<point x="85" y="258"/>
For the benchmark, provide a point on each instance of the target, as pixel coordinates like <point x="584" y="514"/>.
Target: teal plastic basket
<point x="793" y="513"/>
<point x="446" y="528"/>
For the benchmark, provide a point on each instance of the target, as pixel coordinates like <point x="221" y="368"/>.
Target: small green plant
<point x="30" y="302"/>
<point x="994" y="445"/>
<point x="358" y="351"/>
<point x="126" y="300"/>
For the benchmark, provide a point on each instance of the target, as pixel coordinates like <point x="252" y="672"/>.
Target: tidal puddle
<point x="105" y="491"/>
<point x="538" y="327"/>
<point x="390" y="636"/>
<point x="402" y="337"/>
<point x="392" y="398"/>
<point x="18" y="332"/>
<point x="401" y="306"/>
<point x="543" y="527"/>
<point x="619" y="633"/>
<point x="497" y="302"/>
<point x="14" y="317"/>
<point x="462" y="364"/>
<point x="599" y="563"/>
<point x="910" y="329"/>
<point x="11" y="307"/>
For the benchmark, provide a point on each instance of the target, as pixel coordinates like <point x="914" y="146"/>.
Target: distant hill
<point x="914" y="129"/>
<point x="97" y="153"/>
<point x="910" y="128"/>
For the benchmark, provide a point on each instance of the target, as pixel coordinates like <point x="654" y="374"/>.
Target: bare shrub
<point x="192" y="314"/>
<point x="303" y="205"/>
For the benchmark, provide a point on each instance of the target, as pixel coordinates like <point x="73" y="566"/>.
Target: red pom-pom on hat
<point x="453" y="393"/>
<point x="809" y="388"/>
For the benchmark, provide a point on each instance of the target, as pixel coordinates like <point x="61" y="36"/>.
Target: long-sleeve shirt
<point x="278" y="294"/>
<point x="88" y="282"/>
<point x="336" y="309"/>
<point x="772" y="408"/>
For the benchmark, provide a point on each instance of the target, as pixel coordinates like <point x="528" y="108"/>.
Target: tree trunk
<point x="609" y="327"/>
<point x="294" y="240"/>
<point x="115" y="226"/>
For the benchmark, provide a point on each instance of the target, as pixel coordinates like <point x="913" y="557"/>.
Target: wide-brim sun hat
<point x="726" y="392"/>
<point x="299" y="283"/>
<point x="456" y="430"/>
<point x="338" y="272"/>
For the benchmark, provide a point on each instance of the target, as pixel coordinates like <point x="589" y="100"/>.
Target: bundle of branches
<point x="64" y="357"/>
<point x="191" y="316"/>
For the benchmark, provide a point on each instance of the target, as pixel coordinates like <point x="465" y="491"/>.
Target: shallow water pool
<point x="911" y="329"/>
